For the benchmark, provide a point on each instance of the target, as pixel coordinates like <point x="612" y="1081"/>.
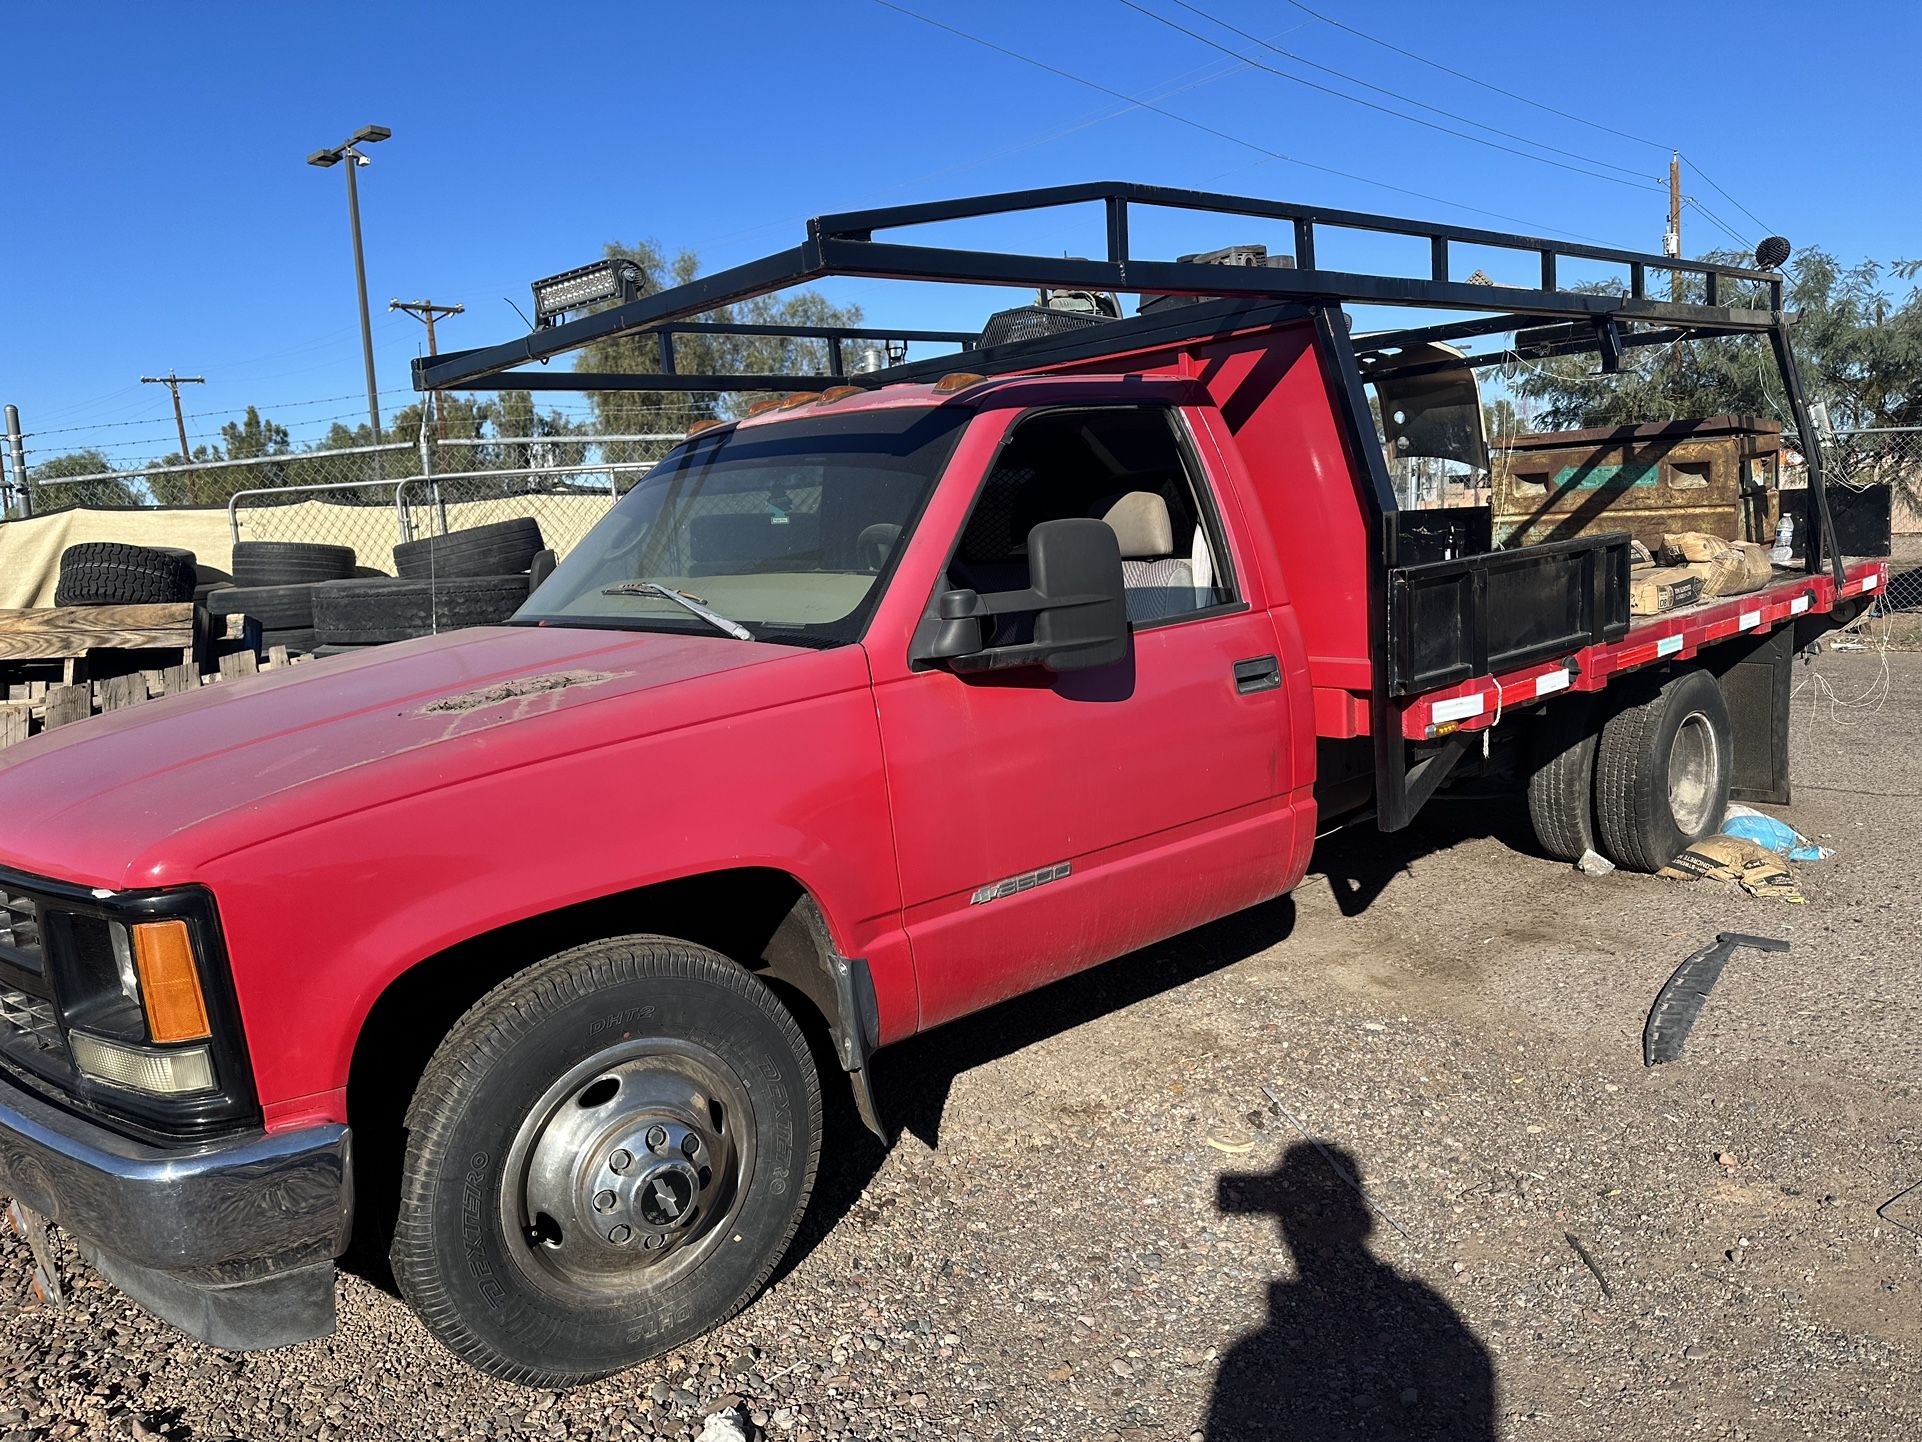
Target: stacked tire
<point x="109" y="573"/>
<point x="473" y="577"/>
<point x="274" y="584"/>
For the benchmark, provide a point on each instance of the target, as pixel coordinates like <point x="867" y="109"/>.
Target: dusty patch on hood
<point x="515" y="689"/>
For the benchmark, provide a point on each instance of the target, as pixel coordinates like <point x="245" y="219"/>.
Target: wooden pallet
<point x="31" y="707"/>
<point x="55" y="633"/>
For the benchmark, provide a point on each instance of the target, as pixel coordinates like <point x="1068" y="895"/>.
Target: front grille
<point x="20" y="930"/>
<point x="29" y="1032"/>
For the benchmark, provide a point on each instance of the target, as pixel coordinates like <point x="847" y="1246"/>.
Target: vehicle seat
<point x="1159" y="583"/>
<point x="875" y="544"/>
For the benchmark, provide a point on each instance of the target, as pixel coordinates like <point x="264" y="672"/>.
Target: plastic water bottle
<point x="1784" y="541"/>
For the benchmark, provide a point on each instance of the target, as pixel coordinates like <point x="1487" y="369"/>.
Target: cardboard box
<point x="1656" y="589"/>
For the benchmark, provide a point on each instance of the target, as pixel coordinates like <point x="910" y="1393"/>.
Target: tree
<point x="1859" y="349"/>
<point x="116" y="491"/>
<point x="1860" y="353"/>
<point x="672" y="412"/>
<point x="248" y="439"/>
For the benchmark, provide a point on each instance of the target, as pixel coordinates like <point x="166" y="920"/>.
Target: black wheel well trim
<point x="764" y="918"/>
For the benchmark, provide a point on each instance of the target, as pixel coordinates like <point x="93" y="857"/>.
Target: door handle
<point x="1261" y="674"/>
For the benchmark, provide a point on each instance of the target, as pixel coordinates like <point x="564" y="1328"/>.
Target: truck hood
<point x="141" y="797"/>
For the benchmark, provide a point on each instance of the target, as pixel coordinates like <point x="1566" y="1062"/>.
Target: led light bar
<point x="586" y="285"/>
<point x="162" y="1073"/>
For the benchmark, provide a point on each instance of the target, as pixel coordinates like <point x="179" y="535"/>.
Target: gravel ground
<point x="1564" y="1244"/>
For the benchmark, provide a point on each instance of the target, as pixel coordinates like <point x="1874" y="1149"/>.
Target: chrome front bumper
<point x="233" y="1240"/>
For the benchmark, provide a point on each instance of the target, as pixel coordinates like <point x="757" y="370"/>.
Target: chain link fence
<point x="1893" y="458"/>
<point x="373" y="497"/>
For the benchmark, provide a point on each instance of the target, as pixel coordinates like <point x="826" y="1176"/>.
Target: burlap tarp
<point x="30" y="549"/>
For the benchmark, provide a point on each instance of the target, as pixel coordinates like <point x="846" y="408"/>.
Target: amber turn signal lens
<point x="163" y="953"/>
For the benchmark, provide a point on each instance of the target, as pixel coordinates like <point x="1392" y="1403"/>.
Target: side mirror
<point x="541" y="568"/>
<point x="1083" y="620"/>
<point x="1077" y="597"/>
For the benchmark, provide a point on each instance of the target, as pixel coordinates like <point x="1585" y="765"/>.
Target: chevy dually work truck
<point x="900" y="697"/>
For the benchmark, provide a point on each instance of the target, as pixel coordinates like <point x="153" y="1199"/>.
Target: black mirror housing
<point x="1078" y="598"/>
<point x="1083" y="620"/>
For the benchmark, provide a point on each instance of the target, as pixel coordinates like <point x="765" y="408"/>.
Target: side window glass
<point x="1125" y="465"/>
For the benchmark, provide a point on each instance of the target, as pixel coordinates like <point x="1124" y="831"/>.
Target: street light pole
<point x="360" y="284"/>
<point x="348" y="150"/>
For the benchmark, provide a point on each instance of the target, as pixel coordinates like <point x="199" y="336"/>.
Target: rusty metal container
<point x="1719" y="474"/>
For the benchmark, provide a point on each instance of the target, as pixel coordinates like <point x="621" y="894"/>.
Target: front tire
<point x="606" y="1156"/>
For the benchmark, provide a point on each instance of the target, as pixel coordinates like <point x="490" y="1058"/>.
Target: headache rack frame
<point x="1736" y="300"/>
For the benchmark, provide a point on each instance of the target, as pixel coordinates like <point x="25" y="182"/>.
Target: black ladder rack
<point x="845" y="245"/>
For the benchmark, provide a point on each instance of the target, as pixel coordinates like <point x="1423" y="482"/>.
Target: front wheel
<point x="606" y="1156"/>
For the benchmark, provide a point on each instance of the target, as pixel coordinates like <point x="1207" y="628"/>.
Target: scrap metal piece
<point x="46" y="1277"/>
<point x="1882" y="1212"/>
<point x="1680" y="1000"/>
<point x="1594" y="1268"/>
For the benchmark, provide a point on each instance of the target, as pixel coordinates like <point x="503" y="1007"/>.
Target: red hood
<point x="141" y="797"/>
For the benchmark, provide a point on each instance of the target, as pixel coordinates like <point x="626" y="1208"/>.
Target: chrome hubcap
<point x="629" y="1168"/>
<point x="1693" y="762"/>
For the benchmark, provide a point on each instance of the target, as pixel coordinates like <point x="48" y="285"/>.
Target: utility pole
<point x="1672" y="240"/>
<point x="173" y="383"/>
<point x="426" y="310"/>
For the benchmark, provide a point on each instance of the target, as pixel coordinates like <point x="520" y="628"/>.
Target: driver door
<point x="1046" y="822"/>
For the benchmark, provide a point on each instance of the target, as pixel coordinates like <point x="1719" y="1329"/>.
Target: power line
<point x="1640" y="180"/>
<point x="1473" y="80"/>
<point x="1767" y="229"/>
<point x="1219" y="134"/>
<point x="1525" y="100"/>
<point x="1726" y="228"/>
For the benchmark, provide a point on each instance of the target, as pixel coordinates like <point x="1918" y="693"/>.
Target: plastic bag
<point x="1777" y="836"/>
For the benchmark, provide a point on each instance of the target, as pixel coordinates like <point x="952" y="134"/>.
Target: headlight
<point x="147" y="1069"/>
<point x="128" y="989"/>
<point x="142" y="1021"/>
<point x="93" y="967"/>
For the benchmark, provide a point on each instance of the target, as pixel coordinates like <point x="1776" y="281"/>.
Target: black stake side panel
<point x="1484" y="614"/>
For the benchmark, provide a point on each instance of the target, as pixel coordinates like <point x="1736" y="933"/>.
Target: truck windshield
<point x="783" y="531"/>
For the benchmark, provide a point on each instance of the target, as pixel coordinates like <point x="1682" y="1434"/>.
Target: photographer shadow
<point x="1352" y="1350"/>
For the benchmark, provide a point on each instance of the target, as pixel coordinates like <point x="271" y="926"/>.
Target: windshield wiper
<point x="681" y="598"/>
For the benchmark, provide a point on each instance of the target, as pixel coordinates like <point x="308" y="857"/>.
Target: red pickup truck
<point x="515" y="948"/>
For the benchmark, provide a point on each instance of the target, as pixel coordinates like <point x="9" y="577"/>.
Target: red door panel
<point x="1154" y="783"/>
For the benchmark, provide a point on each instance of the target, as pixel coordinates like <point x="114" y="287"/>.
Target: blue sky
<point x="159" y="213"/>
